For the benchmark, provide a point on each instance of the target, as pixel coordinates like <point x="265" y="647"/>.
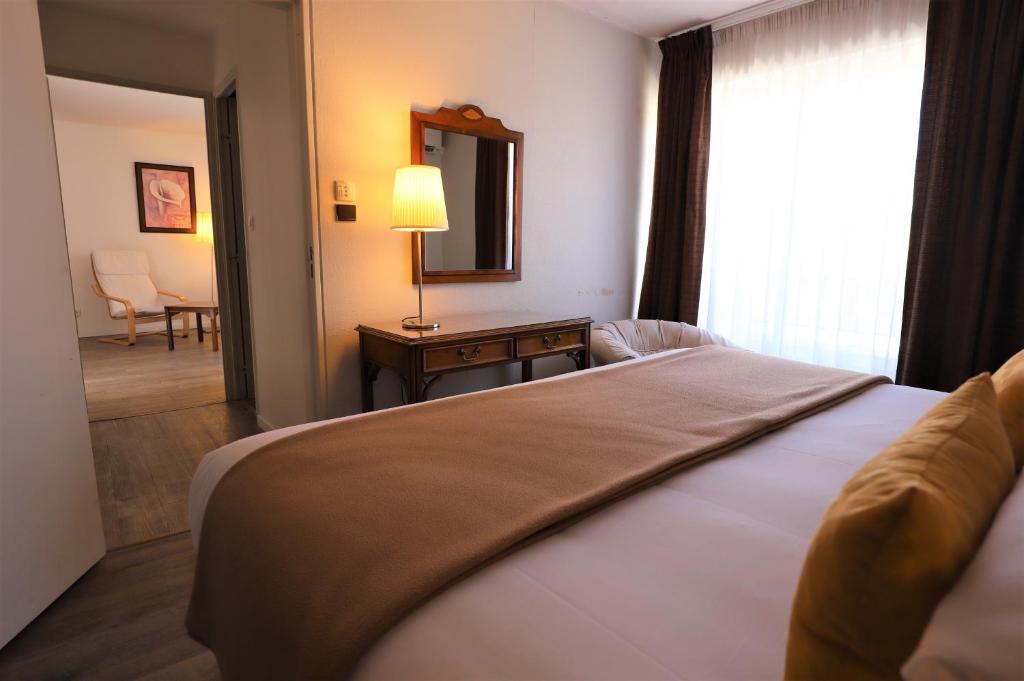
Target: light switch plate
<point x="344" y="191"/>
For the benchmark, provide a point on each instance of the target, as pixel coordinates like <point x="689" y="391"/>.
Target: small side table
<point x="200" y="309"/>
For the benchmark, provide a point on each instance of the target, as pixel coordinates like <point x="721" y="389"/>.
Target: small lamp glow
<point x="418" y="206"/>
<point x="204" y="227"/>
<point x="204" y="233"/>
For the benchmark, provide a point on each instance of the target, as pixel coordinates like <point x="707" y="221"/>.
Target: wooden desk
<point x="209" y="309"/>
<point x="466" y="342"/>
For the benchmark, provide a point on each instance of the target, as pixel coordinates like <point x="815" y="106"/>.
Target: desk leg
<point x="170" y="330"/>
<point x="527" y="370"/>
<point x="368" y="374"/>
<point x="199" y="327"/>
<point x="413" y="391"/>
<point x="581" y="357"/>
<point x="213" y="330"/>
<point x="414" y="376"/>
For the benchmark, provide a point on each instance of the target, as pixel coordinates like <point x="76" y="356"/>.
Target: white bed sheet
<point x="692" y="578"/>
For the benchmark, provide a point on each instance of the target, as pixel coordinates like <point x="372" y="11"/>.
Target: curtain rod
<point x="748" y="14"/>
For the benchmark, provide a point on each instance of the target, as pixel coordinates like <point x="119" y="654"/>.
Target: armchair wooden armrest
<point x="180" y="297"/>
<point x="130" y="314"/>
<point x="124" y="301"/>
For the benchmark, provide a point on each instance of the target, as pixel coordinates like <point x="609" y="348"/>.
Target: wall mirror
<point x="481" y="164"/>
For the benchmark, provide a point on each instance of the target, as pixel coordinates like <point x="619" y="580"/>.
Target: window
<point x="814" y="120"/>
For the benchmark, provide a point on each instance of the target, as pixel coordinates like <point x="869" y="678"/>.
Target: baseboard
<point x="122" y="330"/>
<point x="264" y="424"/>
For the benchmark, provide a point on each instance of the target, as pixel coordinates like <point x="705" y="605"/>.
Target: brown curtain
<point x="964" y="306"/>
<point x="491" y="203"/>
<point x="675" y="248"/>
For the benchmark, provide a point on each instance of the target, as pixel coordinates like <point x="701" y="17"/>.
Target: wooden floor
<point x="147" y="378"/>
<point x="144" y="465"/>
<point x="123" y="620"/>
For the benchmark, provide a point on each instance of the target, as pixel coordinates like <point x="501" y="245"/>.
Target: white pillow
<point x="977" y="632"/>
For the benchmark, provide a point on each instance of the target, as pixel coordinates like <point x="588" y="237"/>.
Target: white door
<point x="50" y="528"/>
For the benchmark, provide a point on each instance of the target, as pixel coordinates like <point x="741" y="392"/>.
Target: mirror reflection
<point x="478" y="175"/>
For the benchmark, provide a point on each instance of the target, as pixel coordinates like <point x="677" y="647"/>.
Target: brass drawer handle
<point x="470" y="356"/>
<point x="549" y="344"/>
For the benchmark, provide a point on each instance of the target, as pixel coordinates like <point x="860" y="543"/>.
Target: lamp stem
<point x="417" y="322"/>
<point x="419" y="260"/>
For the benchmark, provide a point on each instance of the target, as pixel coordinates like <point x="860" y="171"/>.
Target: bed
<point x="692" y="577"/>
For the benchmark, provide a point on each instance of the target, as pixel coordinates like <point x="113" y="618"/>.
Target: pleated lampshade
<point x="418" y="204"/>
<point x="204" y="227"/>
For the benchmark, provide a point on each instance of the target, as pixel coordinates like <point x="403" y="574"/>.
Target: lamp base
<point x="417" y="324"/>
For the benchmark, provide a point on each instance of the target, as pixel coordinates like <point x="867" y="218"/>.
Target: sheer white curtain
<point x="814" y="116"/>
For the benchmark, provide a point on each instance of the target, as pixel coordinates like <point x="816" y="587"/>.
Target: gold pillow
<point x="897" y="537"/>
<point x="1009" y="383"/>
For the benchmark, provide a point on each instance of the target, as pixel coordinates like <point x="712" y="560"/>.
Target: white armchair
<point x="633" y="338"/>
<point x="122" y="279"/>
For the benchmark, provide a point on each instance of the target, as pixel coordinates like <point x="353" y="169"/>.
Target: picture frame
<point x="167" y="198"/>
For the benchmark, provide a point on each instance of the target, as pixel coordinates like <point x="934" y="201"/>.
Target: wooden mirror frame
<point x="471" y="120"/>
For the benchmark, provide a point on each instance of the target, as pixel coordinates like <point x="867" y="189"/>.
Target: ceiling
<point x="196" y="17"/>
<point x="658" y="18"/>
<point x="648" y="18"/>
<point x="83" y="101"/>
<point x="199" y="18"/>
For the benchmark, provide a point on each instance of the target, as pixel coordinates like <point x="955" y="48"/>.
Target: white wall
<point x="255" y="48"/>
<point x="97" y="176"/>
<point x="574" y="86"/>
<point x="79" y="41"/>
<point x="50" y="530"/>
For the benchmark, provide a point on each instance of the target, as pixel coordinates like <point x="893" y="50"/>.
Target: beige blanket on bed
<point x="313" y="546"/>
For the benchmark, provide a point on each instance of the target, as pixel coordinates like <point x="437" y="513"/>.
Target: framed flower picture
<point x="167" y="198"/>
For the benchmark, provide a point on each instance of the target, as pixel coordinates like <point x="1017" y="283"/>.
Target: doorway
<point x="135" y="186"/>
<point x="143" y="217"/>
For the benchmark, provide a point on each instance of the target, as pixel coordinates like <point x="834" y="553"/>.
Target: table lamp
<point x="418" y="206"/>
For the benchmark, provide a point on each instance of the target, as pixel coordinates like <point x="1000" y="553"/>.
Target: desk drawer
<point x="547" y="343"/>
<point x="470" y="354"/>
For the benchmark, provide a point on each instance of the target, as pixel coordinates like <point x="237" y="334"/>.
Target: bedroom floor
<point x="123" y="620"/>
<point x="144" y="465"/>
<point x="147" y="378"/>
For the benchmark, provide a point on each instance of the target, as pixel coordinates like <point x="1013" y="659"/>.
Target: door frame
<point x="239" y="375"/>
<point x="301" y="15"/>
